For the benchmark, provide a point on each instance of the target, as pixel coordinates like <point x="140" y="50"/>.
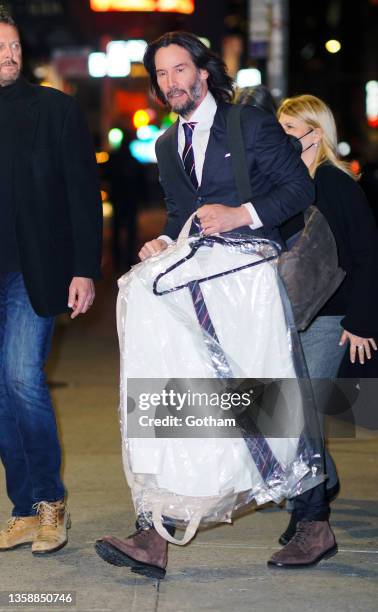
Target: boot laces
<point x="12" y="522"/>
<point x="300" y="536"/>
<point x="48" y="513"/>
<point x="141" y="533"/>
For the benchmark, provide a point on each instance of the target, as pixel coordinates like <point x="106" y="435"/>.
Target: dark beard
<point x="185" y="109"/>
<point x="192" y="102"/>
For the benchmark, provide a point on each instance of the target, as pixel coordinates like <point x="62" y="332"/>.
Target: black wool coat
<point x="57" y="202"/>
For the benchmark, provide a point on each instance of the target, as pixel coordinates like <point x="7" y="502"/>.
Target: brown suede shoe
<point x="54" y="520"/>
<point x="145" y="552"/>
<point x="312" y="542"/>
<point x="21" y="530"/>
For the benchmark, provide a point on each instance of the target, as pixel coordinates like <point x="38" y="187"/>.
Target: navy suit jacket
<point x="280" y="182"/>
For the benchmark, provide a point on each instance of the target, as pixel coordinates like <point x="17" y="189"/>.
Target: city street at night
<point x="192" y="184"/>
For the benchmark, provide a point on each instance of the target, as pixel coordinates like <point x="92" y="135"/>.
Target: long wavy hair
<point x="317" y="114"/>
<point x="219" y="82"/>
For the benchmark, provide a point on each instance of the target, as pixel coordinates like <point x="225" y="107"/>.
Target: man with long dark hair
<point x="192" y="80"/>
<point x="196" y="175"/>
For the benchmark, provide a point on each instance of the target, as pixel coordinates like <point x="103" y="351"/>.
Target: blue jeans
<point x="29" y="445"/>
<point x="323" y="355"/>
<point x="320" y="343"/>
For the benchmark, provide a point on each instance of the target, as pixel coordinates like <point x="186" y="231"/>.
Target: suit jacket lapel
<point x="215" y="147"/>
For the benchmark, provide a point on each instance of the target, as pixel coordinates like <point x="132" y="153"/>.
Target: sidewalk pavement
<point x="224" y="568"/>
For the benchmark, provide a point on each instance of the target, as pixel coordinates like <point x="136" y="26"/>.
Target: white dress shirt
<point x="203" y="117"/>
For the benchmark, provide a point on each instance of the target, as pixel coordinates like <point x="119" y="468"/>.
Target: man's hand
<point x="216" y="218"/>
<point x="358" y="346"/>
<point x="81" y="295"/>
<point x="152" y="248"/>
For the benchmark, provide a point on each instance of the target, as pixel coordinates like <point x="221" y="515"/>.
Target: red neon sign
<point x="153" y="6"/>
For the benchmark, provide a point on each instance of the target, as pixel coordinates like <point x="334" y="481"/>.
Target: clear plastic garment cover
<point x="210" y="314"/>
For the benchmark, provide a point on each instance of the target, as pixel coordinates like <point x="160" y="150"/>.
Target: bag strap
<point x="237" y="149"/>
<point x="186" y="228"/>
<point x="190" y="530"/>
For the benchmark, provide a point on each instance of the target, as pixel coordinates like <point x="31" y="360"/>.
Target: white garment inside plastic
<point x="206" y="479"/>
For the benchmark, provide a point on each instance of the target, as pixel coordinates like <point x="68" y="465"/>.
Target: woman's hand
<point x="358" y="345"/>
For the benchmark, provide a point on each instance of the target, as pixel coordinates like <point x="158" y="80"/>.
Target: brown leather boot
<point x="312" y="542"/>
<point x="54" y="520"/>
<point x="21" y="530"/>
<point x="145" y="552"/>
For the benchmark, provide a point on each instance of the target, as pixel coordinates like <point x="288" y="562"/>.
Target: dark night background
<point x="339" y="79"/>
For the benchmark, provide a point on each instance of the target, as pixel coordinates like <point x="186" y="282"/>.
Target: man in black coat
<point x="50" y="251"/>
<point x="197" y="176"/>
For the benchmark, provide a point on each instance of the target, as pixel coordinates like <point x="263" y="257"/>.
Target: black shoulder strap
<point x="237" y="149"/>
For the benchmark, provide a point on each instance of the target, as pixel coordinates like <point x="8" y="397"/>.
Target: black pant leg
<point x="312" y="505"/>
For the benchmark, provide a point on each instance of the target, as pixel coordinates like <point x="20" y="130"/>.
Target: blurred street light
<point x="372" y="103"/>
<point x="344" y="148"/>
<point x="97" y="64"/>
<point x="116" y="62"/>
<point x="147" y="132"/>
<point x="248" y="77"/>
<point x="117" y="59"/>
<point x="115" y="137"/>
<point x="355" y="166"/>
<point x="107" y="210"/>
<point x="102" y="157"/>
<point x="333" y="46"/>
<point x="141" y="118"/>
<point x="135" y="49"/>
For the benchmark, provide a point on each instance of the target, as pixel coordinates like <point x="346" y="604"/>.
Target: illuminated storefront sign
<point x="163" y="6"/>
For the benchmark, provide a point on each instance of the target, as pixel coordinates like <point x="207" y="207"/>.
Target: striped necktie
<point x="263" y="456"/>
<point x="188" y="155"/>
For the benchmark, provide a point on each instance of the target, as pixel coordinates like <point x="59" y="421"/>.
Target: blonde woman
<point x="349" y="316"/>
<point x="348" y="321"/>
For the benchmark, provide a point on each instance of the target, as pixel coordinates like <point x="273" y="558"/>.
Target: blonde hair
<point x="317" y="114"/>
